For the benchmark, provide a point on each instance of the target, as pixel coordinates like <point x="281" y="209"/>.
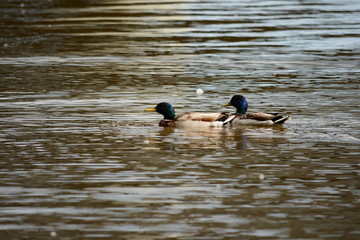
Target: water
<point x="81" y="160"/>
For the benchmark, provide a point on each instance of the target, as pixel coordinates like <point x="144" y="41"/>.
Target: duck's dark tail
<point x="280" y="119"/>
<point x="229" y="119"/>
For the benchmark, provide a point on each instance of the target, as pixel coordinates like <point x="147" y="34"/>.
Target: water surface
<point x="82" y="160"/>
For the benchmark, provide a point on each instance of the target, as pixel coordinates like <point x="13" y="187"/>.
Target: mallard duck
<point x="257" y="118"/>
<point x="188" y="119"/>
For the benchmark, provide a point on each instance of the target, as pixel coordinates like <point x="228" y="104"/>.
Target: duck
<point x="255" y="118"/>
<point x="188" y="119"/>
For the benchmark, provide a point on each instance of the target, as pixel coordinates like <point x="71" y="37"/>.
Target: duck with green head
<point x="256" y="118"/>
<point x="188" y="119"/>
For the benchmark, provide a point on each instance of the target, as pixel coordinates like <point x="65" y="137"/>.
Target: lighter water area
<point x="81" y="159"/>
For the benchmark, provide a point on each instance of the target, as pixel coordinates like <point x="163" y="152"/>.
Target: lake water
<point x="82" y="160"/>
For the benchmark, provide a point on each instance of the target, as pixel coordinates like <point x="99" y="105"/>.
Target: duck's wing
<point x="274" y="117"/>
<point x="260" y="116"/>
<point x="202" y="116"/>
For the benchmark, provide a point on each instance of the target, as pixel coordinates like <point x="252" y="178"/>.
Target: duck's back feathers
<point x="202" y="116"/>
<point x="259" y="118"/>
<point x="197" y="119"/>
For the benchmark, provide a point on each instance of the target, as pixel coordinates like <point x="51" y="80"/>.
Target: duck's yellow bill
<point x="227" y="104"/>
<point x="150" y="110"/>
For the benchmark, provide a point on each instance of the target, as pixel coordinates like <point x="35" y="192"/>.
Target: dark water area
<point x="80" y="159"/>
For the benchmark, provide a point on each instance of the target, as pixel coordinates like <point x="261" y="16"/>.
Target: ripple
<point x="81" y="157"/>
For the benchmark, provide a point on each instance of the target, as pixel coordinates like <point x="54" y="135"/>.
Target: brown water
<point x="81" y="160"/>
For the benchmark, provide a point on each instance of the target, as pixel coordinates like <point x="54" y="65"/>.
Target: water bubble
<point x="199" y="91"/>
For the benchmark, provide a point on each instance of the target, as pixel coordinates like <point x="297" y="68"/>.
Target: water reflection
<point x="218" y="138"/>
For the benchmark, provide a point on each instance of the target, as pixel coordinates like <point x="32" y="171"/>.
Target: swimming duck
<point x="257" y="118"/>
<point x="188" y="119"/>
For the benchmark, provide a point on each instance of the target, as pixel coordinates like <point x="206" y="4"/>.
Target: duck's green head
<point x="239" y="102"/>
<point x="165" y="109"/>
